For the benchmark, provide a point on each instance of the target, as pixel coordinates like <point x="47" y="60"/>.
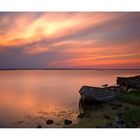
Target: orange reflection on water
<point x="49" y="91"/>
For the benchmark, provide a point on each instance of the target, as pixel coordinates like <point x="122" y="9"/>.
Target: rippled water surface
<point x="30" y="97"/>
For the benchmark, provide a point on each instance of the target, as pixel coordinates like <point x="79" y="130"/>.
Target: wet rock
<point x="81" y="115"/>
<point x="105" y="85"/>
<point x="67" y="122"/>
<point x="39" y="126"/>
<point x="107" y="117"/>
<point x="49" y="121"/>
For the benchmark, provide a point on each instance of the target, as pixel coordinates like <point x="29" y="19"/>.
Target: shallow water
<point x="28" y="98"/>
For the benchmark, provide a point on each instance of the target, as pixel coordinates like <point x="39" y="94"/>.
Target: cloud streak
<point x="69" y="39"/>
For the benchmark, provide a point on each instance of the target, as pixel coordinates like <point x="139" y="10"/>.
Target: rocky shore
<point x="122" y="112"/>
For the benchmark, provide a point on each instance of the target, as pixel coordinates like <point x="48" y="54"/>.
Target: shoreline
<point x="64" y="69"/>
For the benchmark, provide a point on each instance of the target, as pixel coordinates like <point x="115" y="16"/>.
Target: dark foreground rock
<point x="118" y="121"/>
<point x="67" y="122"/>
<point x="49" y="122"/>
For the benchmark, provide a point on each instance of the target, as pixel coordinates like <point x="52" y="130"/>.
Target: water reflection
<point x="30" y="97"/>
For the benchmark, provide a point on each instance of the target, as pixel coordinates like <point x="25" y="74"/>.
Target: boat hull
<point x="97" y="95"/>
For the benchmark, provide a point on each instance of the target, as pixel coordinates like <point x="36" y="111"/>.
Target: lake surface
<point x="30" y="97"/>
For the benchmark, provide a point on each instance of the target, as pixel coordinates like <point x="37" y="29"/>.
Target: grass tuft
<point x="132" y="118"/>
<point x="132" y="97"/>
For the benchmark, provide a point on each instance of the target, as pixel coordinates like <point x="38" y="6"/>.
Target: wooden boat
<point x="129" y="82"/>
<point x="98" y="95"/>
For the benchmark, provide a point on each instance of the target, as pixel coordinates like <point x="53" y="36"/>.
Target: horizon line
<point x="70" y="69"/>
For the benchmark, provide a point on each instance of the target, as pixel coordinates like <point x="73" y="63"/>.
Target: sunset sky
<point x="70" y="40"/>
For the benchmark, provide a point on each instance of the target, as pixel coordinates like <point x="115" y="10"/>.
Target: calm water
<point x="29" y="98"/>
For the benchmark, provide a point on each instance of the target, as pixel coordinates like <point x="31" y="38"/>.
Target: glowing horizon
<point x="70" y="40"/>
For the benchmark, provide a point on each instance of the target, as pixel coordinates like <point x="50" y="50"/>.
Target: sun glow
<point x="73" y="39"/>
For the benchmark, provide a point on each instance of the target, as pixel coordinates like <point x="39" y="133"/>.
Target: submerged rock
<point x="39" y="126"/>
<point x="67" y="122"/>
<point x="105" y="85"/>
<point x="49" y="121"/>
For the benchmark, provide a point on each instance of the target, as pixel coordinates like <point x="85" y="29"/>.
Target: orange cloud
<point x="50" y="25"/>
<point x="81" y="39"/>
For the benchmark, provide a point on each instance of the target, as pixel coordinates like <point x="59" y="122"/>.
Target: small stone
<point x="67" y="122"/>
<point x="105" y="85"/>
<point x="81" y="115"/>
<point x="49" y="122"/>
<point x="39" y="126"/>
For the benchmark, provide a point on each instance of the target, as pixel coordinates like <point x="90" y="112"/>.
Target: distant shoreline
<point x="65" y="69"/>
